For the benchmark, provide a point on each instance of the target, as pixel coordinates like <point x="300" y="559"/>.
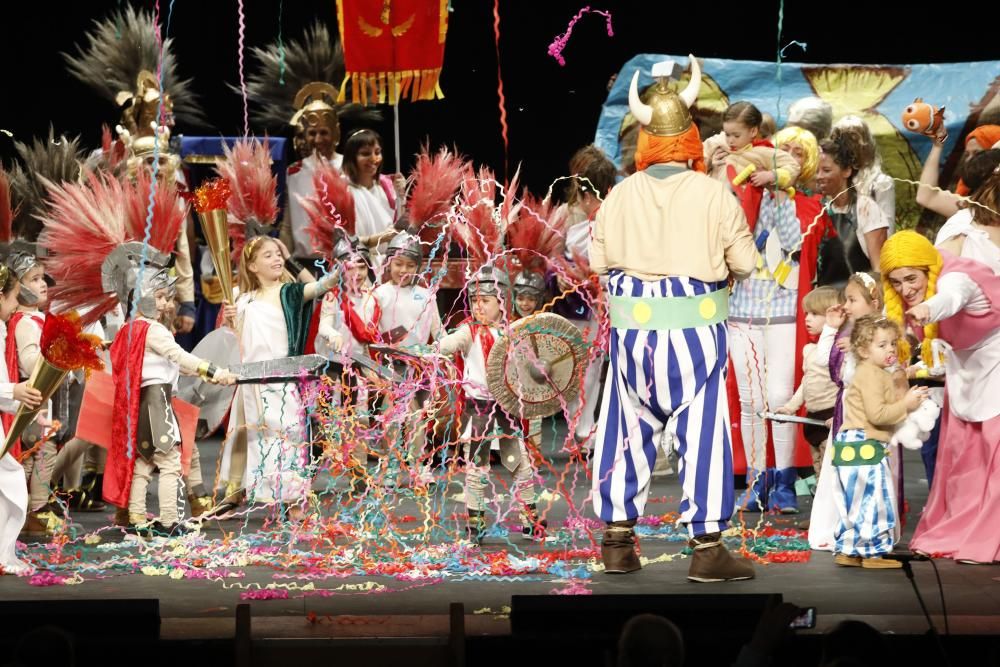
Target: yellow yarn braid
<point x="908" y="249"/>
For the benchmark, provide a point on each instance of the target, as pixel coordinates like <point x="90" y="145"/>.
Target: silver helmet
<point x="406" y="244"/>
<point x="123" y="269"/>
<point x="20" y="262"/>
<point x="489" y="281"/>
<point x="348" y="247"/>
<point x="530" y="283"/>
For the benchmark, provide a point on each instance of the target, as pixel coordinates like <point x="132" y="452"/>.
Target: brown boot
<point x="35" y="526"/>
<point x="199" y="505"/>
<point x="711" y="562"/>
<point x="121" y="517"/>
<point x="618" y="548"/>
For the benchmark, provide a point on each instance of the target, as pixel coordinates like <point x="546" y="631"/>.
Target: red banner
<point x="393" y="49"/>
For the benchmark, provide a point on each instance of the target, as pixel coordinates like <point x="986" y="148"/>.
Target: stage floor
<point x="319" y="580"/>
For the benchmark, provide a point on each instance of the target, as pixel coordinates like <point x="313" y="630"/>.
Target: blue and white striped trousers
<point x="673" y="379"/>
<point x="864" y="498"/>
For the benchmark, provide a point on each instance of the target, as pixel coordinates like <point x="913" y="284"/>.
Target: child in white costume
<point x="271" y="318"/>
<point x="473" y="340"/>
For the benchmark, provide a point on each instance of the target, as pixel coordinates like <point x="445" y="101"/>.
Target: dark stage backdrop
<point x="551" y="110"/>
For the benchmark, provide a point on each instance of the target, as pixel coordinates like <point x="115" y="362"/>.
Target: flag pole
<point x="395" y="136"/>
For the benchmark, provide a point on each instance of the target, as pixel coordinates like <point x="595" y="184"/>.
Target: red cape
<point x="126" y="364"/>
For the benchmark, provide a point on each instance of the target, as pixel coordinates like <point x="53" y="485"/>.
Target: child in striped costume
<point x="863" y="477"/>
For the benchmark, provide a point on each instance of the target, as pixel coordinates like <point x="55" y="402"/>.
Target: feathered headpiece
<point x="122" y="49"/>
<point x="330" y="208"/>
<point x="253" y="200"/>
<point x="87" y="221"/>
<point x="293" y="75"/>
<point x="315" y="57"/>
<point x="436" y="180"/>
<point x="480" y="228"/>
<point x="112" y="156"/>
<point x="53" y="160"/>
<point x="7" y="212"/>
<point x="536" y="233"/>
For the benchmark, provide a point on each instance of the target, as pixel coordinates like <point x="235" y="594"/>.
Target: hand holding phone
<point x="805" y="620"/>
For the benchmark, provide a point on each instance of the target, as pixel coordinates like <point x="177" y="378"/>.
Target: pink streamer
<point x="559" y="43"/>
<point x="243" y="83"/>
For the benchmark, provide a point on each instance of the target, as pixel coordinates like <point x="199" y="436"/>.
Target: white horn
<point x="690" y="93"/>
<point x="642" y="112"/>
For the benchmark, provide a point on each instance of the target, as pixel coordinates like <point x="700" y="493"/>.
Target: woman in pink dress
<point x="957" y="300"/>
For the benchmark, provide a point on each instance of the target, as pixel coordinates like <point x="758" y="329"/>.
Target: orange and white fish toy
<point x="923" y="118"/>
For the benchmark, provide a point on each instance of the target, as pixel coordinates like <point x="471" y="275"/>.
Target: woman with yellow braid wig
<point x="916" y="264"/>
<point x="958" y="300"/>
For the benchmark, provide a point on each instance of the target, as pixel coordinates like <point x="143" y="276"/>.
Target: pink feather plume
<point x="436" y="180"/>
<point x="253" y="187"/>
<point x="7" y="213"/>
<point x="329" y="208"/>
<point x="477" y="230"/>
<point x="85" y="222"/>
<point x="537" y="232"/>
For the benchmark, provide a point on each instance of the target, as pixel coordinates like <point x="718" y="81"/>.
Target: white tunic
<point x="272" y="413"/>
<point x="13" y="486"/>
<point x="412" y="308"/>
<point x="332" y="322"/>
<point x="372" y="215"/>
<point x="462" y="341"/>
<point x="977" y="244"/>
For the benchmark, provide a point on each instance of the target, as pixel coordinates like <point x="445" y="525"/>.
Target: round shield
<point x="534" y="371"/>
<point x="223" y="349"/>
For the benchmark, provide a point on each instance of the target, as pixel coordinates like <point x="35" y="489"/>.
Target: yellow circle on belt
<point x="641" y="312"/>
<point x="847" y="453"/>
<point x="867" y="452"/>
<point x="707" y="309"/>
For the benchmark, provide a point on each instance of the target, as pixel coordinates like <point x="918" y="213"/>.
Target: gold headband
<point x="248" y="248"/>
<point x="869" y="282"/>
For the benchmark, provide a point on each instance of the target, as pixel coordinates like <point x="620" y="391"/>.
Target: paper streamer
<point x="559" y="43"/>
<point x="243" y="83"/>
<point x="503" y="110"/>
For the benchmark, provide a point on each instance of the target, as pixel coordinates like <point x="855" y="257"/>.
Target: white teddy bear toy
<point x="917" y="426"/>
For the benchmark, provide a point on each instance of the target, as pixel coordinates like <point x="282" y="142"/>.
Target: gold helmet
<point x="665" y="113"/>
<point x="315" y="106"/>
<point x="141" y="106"/>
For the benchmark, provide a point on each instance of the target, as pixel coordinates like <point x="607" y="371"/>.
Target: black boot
<point x="618" y="548"/>
<point x="533" y="527"/>
<point x="91" y="488"/>
<point x="476" y="527"/>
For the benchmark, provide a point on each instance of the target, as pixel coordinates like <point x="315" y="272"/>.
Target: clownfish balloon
<point x="923" y="118"/>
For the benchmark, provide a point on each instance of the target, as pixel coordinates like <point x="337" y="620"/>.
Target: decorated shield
<point x="533" y="371"/>
<point x="222" y="348"/>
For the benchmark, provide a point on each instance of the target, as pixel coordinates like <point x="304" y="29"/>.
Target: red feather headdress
<point x="436" y="179"/>
<point x="253" y="198"/>
<point x="7" y="213"/>
<point x="536" y="233"/>
<point x="479" y="229"/>
<point x="329" y="209"/>
<point x="87" y="221"/>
